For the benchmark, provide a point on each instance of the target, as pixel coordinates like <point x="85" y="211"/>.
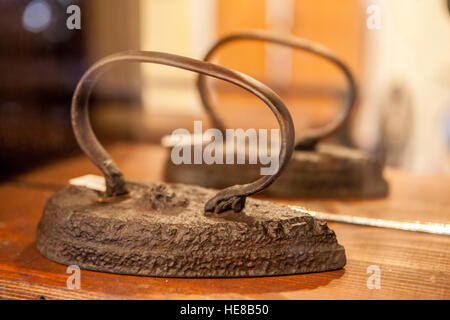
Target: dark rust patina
<point x="158" y="229"/>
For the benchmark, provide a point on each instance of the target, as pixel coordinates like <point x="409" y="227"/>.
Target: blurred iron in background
<point x="402" y="69"/>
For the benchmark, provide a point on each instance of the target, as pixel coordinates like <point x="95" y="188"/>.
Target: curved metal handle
<point x="313" y="136"/>
<point x="226" y="199"/>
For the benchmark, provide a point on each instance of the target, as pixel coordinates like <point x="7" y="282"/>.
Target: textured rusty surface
<point x="181" y="230"/>
<point x="161" y="230"/>
<point x="329" y="172"/>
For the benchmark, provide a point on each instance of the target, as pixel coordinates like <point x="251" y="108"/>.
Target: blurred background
<point x="399" y="52"/>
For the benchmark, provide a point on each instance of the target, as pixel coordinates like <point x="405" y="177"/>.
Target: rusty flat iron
<point x="316" y="170"/>
<point x="180" y="230"/>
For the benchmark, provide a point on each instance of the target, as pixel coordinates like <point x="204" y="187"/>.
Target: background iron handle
<point x="231" y="198"/>
<point x="310" y="139"/>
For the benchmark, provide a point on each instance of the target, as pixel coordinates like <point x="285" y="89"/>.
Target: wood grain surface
<point x="413" y="265"/>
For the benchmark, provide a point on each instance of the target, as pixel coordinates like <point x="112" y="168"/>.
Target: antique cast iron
<point x="315" y="170"/>
<point x="178" y="230"/>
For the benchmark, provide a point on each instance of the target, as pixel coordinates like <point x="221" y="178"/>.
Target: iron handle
<point x="231" y="198"/>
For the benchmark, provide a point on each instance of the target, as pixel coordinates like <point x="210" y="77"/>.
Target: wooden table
<point x="412" y="265"/>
